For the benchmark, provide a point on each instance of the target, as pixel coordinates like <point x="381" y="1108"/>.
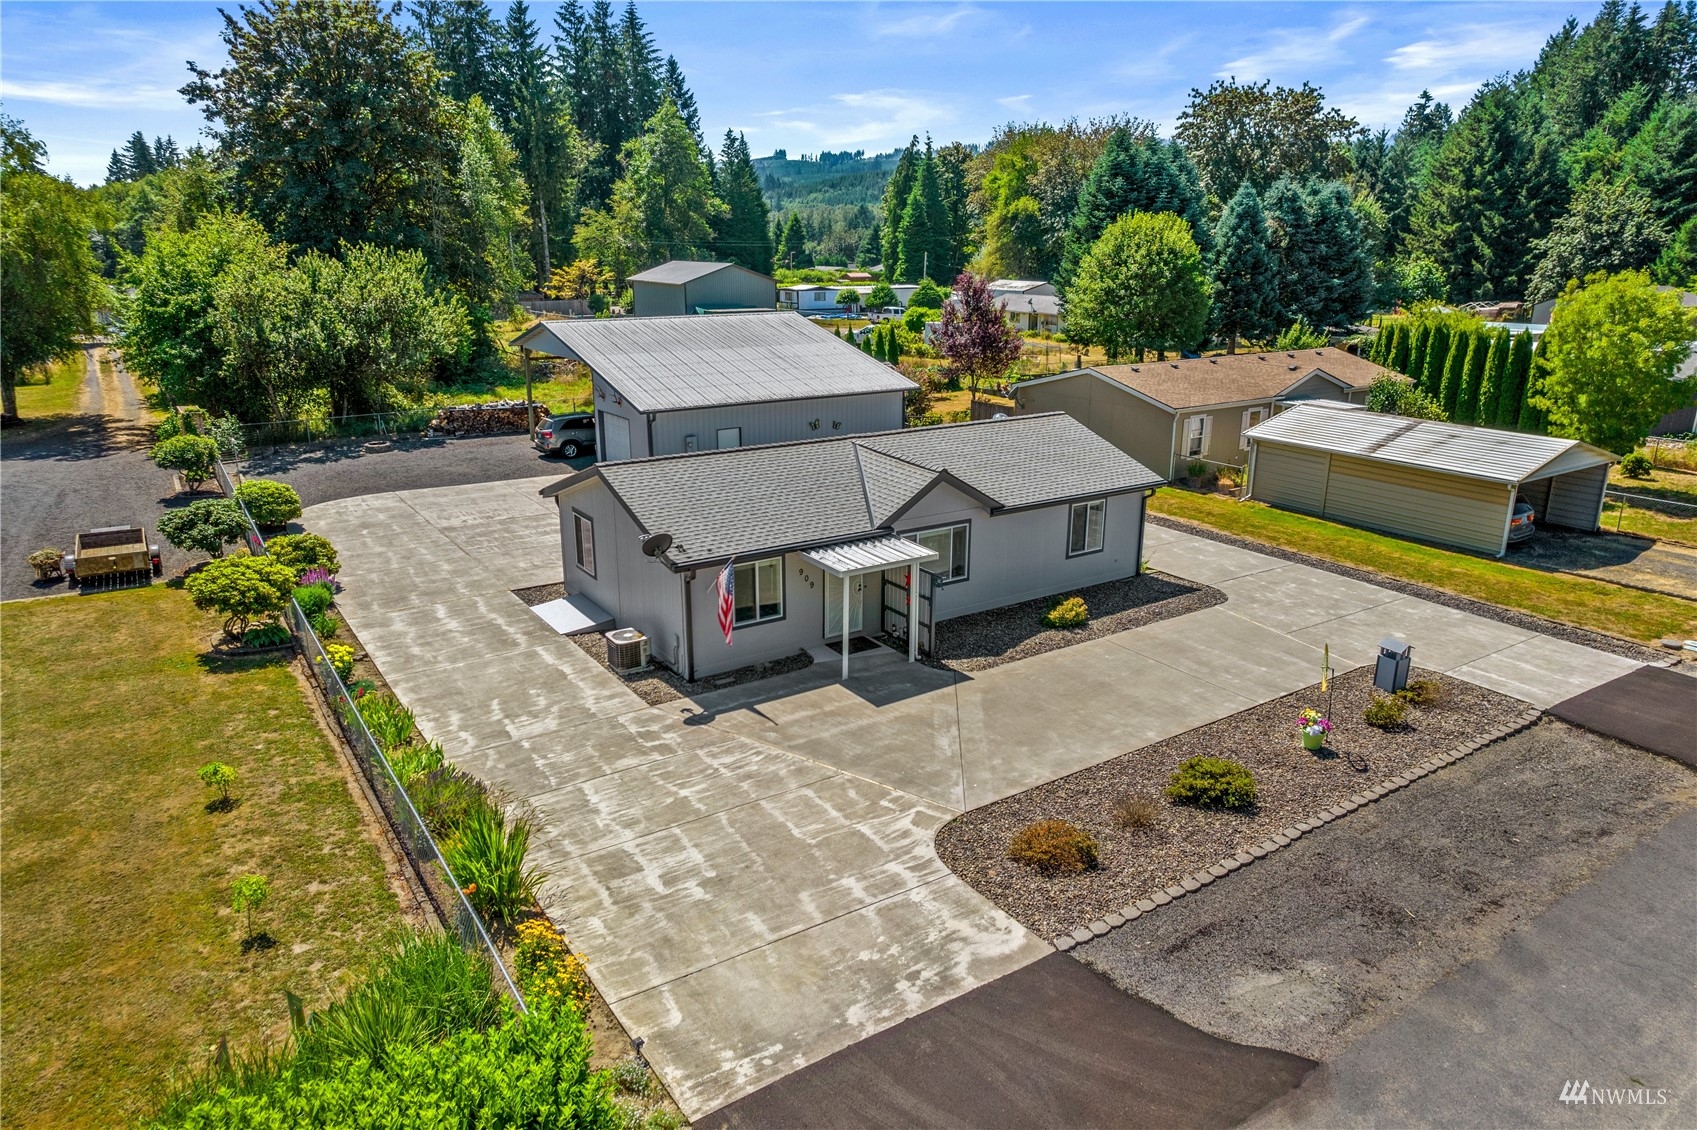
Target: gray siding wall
<point x="803" y="625"/>
<point x="1132" y="424"/>
<point x="1023" y="555"/>
<point x="1290" y="477"/>
<point x="650" y="300"/>
<point x="636" y="590"/>
<point x="778" y="422"/>
<point x="730" y="290"/>
<point x="1576" y="498"/>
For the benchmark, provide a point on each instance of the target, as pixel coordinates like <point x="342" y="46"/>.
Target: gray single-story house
<point x="1445" y="483"/>
<point x="869" y="535"/>
<point x="668" y="385"/>
<point x="684" y="286"/>
<point x="1167" y="413"/>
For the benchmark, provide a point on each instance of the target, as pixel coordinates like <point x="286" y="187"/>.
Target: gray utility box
<point x="1391" y="673"/>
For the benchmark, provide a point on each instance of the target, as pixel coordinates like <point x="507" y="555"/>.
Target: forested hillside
<point x="835" y="197"/>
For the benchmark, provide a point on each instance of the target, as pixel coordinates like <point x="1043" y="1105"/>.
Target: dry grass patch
<point x="122" y="958"/>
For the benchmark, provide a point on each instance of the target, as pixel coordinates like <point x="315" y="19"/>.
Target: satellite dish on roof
<point x="655" y="544"/>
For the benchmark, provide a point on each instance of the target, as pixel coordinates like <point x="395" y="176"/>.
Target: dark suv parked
<point x="568" y="436"/>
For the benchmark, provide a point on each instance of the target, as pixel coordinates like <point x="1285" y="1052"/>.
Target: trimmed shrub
<point x="244" y="589"/>
<point x="1212" y="782"/>
<point x="314" y="600"/>
<point x="1386" y="712"/>
<point x="207" y="525"/>
<point x="1422" y="692"/>
<point x="192" y="457"/>
<point x="266" y="635"/>
<point x="303" y="552"/>
<point x="341" y="658"/>
<point x="487" y="855"/>
<point x="270" y="503"/>
<point x="1636" y="465"/>
<point x="1135" y="812"/>
<point x="1054" y="847"/>
<point x="1069" y="613"/>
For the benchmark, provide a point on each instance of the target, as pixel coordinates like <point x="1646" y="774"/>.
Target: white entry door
<point x="616" y="430"/>
<point x="834" y="605"/>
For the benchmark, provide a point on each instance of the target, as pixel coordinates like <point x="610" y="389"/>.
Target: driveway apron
<point x="750" y="875"/>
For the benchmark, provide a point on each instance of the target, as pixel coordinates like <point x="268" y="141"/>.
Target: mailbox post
<point x="1390" y="674"/>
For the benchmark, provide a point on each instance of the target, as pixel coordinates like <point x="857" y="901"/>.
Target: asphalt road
<point x="323" y="472"/>
<point x="74" y="473"/>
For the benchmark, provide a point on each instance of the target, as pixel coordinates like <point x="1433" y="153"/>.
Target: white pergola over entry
<point x="873" y="555"/>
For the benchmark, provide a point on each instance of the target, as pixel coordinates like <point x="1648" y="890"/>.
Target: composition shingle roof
<point x="1195" y="382"/>
<point x="1456" y="449"/>
<point x="720" y="504"/>
<point x="679" y="271"/>
<point x="701" y="361"/>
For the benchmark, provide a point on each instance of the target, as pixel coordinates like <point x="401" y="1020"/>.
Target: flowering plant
<point x="1312" y="722"/>
<point x="318" y="575"/>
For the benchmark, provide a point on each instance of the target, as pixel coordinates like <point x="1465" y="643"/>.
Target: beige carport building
<point x="1435" y="482"/>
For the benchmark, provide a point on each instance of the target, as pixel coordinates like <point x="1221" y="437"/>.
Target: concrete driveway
<point x="751" y="876"/>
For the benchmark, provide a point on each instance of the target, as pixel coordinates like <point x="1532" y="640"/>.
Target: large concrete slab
<point x="751" y="874"/>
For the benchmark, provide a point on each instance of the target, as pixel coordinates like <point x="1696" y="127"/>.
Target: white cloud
<point x="1469" y="47"/>
<point x="92" y="95"/>
<point x="878" y="120"/>
<point x="923" y="22"/>
<point x="1018" y="103"/>
<point x="1294" y="51"/>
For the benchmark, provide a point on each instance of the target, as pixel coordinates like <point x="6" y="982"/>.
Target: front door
<point x="834" y="605"/>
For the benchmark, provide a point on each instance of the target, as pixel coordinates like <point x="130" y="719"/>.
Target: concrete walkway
<point x="751" y="876"/>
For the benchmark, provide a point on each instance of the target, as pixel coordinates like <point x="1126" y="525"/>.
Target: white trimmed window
<point x="583" y="534"/>
<point x="759" y="591"/>
<point x="950" y="542"/>
<point x="1084" y="533"/>
<point x="1251" y="417"/>
<point x="1196" y="430"/>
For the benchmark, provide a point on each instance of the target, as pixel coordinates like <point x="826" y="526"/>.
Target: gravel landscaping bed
<point x="979" y="641"/>
<point x="1292" y="784"/>
<point x="658" y="685"/>
<point x="541" y="594"/>
<point x="1310" y="948"/>
<point x="1614" y="645"/>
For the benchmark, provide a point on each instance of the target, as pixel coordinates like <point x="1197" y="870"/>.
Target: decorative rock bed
<point x="979" y="641"/>
<point x="1153" y="864"/>
<point x="658" y="685"/>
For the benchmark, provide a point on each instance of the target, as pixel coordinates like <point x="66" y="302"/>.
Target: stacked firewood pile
<point x="484" y="419"/>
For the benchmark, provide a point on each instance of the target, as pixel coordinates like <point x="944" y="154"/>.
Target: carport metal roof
<point x="1452" y="449"/>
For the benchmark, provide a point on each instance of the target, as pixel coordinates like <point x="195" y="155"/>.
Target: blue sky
<point x="815" y="75"/>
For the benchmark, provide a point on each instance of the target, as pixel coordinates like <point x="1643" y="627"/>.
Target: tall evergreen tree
<point x="1532" y="418"/>
<point x="1135" y="173"/>
<point x="1418" y="348"/>
<point x="1244" y="272"/>
<point x="896" y="191"/>
<point x="675" y="88"/>
<point x="1325" y="276"/>
<point x="792" y="245"/>
<point x="1661" y="159"/>
<point x="666" y="196"/>
<point x="954" y="162"/>
<point x="1455" y="372"/>
<point x="923" y="247"/>
<point x="1401" y="350"/>
<point x="1467" y="399"/>
<point x="463" y="38"/>
<point x="644" y="76"/>
<point x="1517" y="383"/>
<point x="537" y="119"/>
<point x="1431" y="376"/>
<point x="1496" y="376"/>
<point x="872" y="250"/>
<point x="743" y="234"/>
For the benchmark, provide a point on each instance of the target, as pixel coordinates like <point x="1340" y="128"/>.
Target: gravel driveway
<point x="323" y="472"/>
<point x="1312" y="948"/>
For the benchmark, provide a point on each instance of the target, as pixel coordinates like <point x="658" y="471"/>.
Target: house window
<point x="583" y="534"/>
<point x="759" y="591"/>
<point x="1251" y="417"/>
<point x="730" y="437"/>
<point x="1196" y="436"/>
<point x="1084" y="534"/>
<point x="950" y="544"/>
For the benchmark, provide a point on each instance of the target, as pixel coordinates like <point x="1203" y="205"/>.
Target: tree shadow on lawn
<point x="258" y="942"/>
<point x="224" y="659"/>
<point x="223" y="804"/>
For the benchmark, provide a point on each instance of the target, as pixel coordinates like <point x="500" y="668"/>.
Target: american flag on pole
<point x="727" y="586"/>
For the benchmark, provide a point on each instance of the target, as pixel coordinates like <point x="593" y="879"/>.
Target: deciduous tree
<point x="1256" y="132"/>
<point x="1140" y="287"/>
<point x="975" y="337"/>
<point x="50" y="282"/>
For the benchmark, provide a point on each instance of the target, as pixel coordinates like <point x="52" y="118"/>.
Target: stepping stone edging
<point x="1208" y="875"/>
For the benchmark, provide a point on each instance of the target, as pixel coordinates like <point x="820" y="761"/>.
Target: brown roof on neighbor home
<point x="1199" y="381"/>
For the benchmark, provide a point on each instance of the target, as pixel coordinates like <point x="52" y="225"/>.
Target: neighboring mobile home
<point x="837" y="538"/>
<point x="1167" y="413"/>
<point x="669" y="385"/>
<point x="1446" y="483"/>
<point x="684" y="286"/>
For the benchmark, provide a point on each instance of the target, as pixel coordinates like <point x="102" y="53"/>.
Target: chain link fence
<point x="272" y="433"/>
<point x="444" y="891"/>
<point x="1620" y="505"/>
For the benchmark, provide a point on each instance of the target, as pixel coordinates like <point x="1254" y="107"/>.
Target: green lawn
<point x="122" y="961"/>
<point x="1574" y="600"/>
<point x="52" y="390"/>
<point x="1668" y="484"/>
